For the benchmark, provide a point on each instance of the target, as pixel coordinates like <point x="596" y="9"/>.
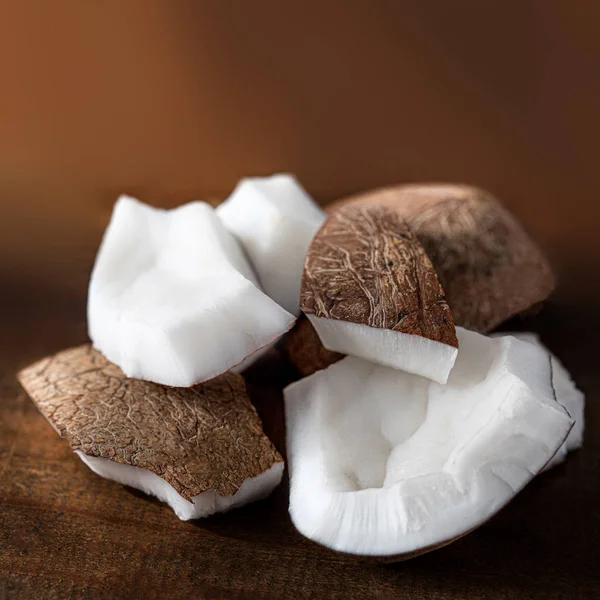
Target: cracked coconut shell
<point x="490" y="269"/>
<point x="366" y="268"/>
<point x="207" y="437"/>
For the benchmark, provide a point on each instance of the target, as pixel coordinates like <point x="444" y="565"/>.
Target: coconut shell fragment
<point x="207" y="437"/>
<point x="490" y="269"/>
<point x="366" y="268"/>
<point x="305" y="351"/>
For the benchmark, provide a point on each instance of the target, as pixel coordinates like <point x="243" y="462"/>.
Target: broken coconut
<point x="172" y="298"/>
<point x="566" y="393"/>
<point x="488" y="266"/>
<point x="275" y="220"/>
<point x="490" y="269"/>
<point x="388" y="464"/>
<point x="370" y="291"/>
<point x="201" y="450"/>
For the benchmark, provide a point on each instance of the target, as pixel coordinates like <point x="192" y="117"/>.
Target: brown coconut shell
<point x="304" y="349"/>
<point x="489" y="267"/>
<point x="207" y="437"/>
<point x="365" y="266"/>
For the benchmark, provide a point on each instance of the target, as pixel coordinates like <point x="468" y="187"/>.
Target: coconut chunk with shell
<point x="172" y="298"/>
<point x="370" y="291"/>
<point x="388" y="464"/>
<point x="489" y="267"/>
<point x="567" y="394"/>
<point x="201" y="449"/>
<point x="275" y="220"/>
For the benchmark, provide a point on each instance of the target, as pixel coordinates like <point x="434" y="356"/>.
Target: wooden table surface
<point x="66" y="533"/>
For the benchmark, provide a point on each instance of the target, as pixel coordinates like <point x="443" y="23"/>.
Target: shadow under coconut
<point x="265" y="522"/>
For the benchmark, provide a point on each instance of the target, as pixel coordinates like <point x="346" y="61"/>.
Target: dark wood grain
<point x="66" y="533"/>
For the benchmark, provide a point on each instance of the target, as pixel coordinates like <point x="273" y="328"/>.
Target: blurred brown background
<point x="176" y="100"/>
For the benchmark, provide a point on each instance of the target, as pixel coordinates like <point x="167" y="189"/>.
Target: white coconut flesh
<point x="275" y="220"/>
<point x="412" y="353"/>
<point x="386" y="463"/>
<point x="202" y="505"/>
<point x="567" y="394"/>
<point x="172" y="298"/>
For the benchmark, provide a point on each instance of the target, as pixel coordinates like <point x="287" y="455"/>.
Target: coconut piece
<point x="172" y="298"/>
<point x="370" y="291"/>
<point x="567" y="394"/>
<point x="201" y="450"/>
<point x="275" y="220"/>
<point x="490" y="269"/>
<point x="388" y="464"/>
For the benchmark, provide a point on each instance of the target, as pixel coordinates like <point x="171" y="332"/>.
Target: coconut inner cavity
<point x="400" y="426"/>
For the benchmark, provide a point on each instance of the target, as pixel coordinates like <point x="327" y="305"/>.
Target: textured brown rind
<point x="365" y="266"/>
<point x="304" y="350"/>
<point x="489" y="267"/>
<point x="208" y="437"/>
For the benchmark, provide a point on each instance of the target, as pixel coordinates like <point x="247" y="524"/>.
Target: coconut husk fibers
<point x="490" y="269"/>
<point x="365" y="266"/>
<point x="207" y="437"/>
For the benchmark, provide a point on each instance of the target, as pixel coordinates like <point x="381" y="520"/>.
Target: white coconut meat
<point x="567" y="394"/>
<point x="386" y="463"/>
<point x="275" y="220"/>
<point x="203" y="505"/>
<point x="172" y="298"/>
<point x="414" y="354"/>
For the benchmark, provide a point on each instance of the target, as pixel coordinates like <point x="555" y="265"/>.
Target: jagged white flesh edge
<point x="411" y="353"/>
<point x="173" y="300"/>
<point x="567" y="394"/>
<point x="501" y="441"/>
<point x="275" y="220"/>
<point x="203" y="505"/>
